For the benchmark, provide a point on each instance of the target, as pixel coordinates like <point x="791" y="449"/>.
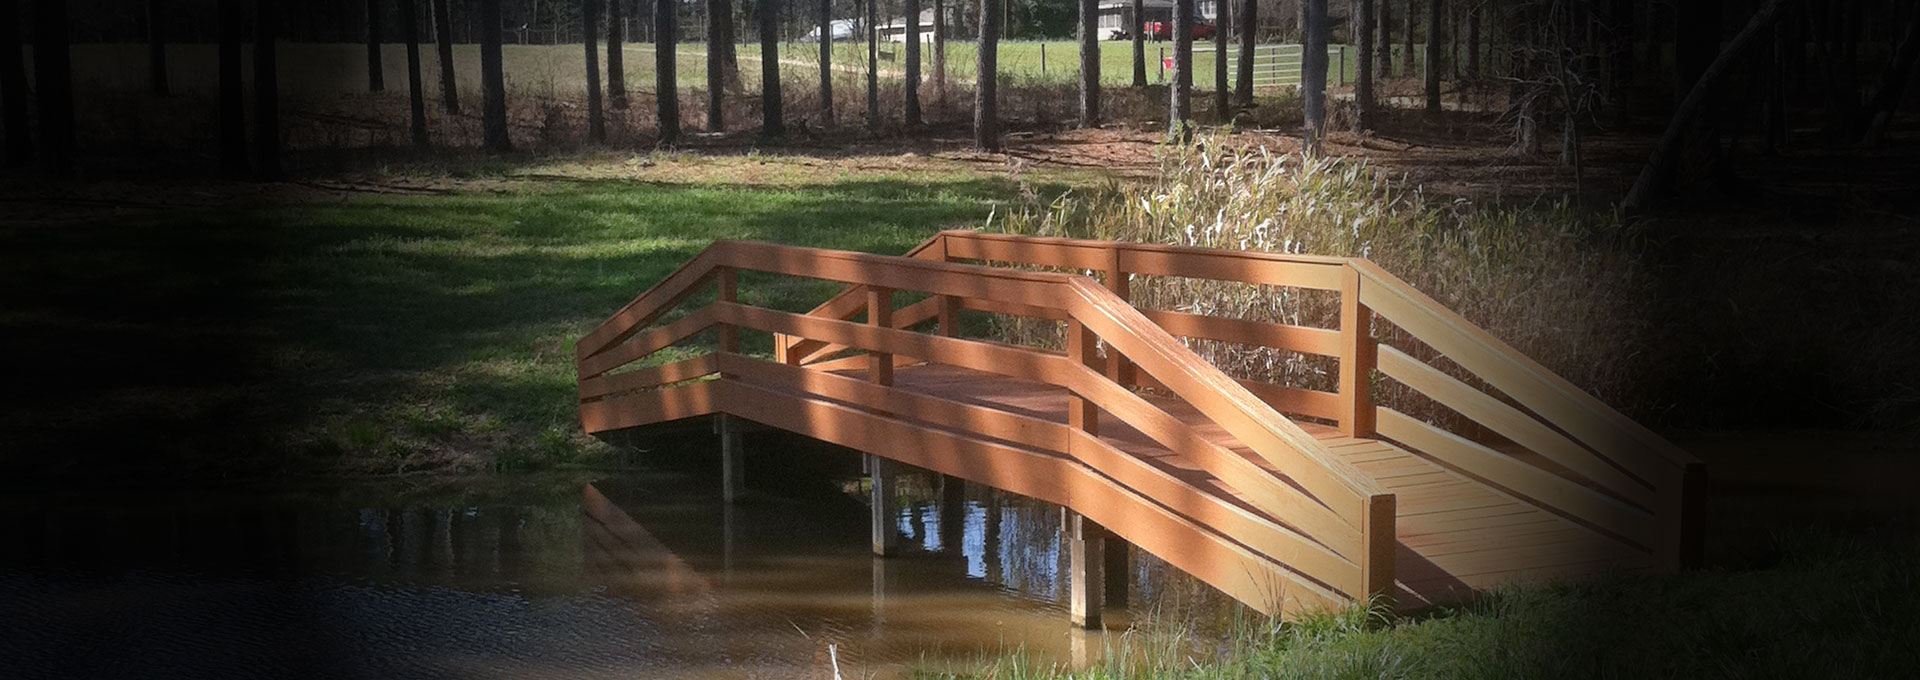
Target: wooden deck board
<point x="1456" y="534"/>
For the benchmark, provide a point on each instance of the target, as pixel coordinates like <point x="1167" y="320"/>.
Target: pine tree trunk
<point x="1180" y="104"/>
<point x="666" y="32"/>
<point x="266" y="91"/>
<point x="1249" y="26"/>
<point x="416" y="91"/>
<point x="443" y="44"/>
<point x="719" y="44"/>
<point x="1406" y="60"/>
<point x="157" y="48"/>
<point x="1138" y="32"/>
<point x="826" y="63"/>
<point x="493" y="80"/>
<point x="590" y="37"/>
<point x="1313" y="76"/>
<point x="1089" y="63"/>
<point x="53" y="85"/>
<point x="1893" y="85"/>
<point x="13" y="88"/>
<point x="1474" y="18"/>
<point x="939" y="53"/>
<point x="617" y="54"/>
<point x="1384" y="55"/>
<point x="1363" y="81"/>
<point x="233" y="103"/>
<point x="1436" y="62"/>
<point x="911" y="38"/>
<point x="986" y="105"/>
<point x="1221" y="107"/>
<point x="771" y="118"/>
<point x="376" y="74"/>
<point x="873" y="64"/>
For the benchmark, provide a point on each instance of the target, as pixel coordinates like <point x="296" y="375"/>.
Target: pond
<point x="630" y="573"/>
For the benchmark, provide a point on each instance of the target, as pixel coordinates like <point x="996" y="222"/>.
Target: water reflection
<point x="634" y="575"/>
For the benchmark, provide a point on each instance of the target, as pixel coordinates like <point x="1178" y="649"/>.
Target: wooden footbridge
<point x="1282" y="497"/>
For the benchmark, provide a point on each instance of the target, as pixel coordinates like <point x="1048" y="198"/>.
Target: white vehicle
<point x="843" y="30"/>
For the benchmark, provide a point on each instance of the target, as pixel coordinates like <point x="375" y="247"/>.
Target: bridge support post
<point x="884" y="497"/>
<point x="953" y="512"/>
<point x="1117" y="573"/>
<point x="732" y="464"/>
<point x="1086" y="563"/>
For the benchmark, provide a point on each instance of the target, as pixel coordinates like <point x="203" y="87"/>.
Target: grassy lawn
<point x="389" y="333"/>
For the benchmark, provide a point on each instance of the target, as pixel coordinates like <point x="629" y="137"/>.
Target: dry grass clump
<point x="1561" y="285"/>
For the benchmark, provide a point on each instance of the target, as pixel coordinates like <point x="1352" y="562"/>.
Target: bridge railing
<point x="1334" y="529"/>
<point x="1604" y="470"/>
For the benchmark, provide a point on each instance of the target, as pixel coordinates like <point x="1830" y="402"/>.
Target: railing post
<point x="1378" y="544"/>
<point x="729" y="285"/>
<point x="949" y="320"/>
<point x="1358" y="355"/>
<point x="1683" y="500"/>
<point x="1119" y="281"/>
<point x="880" y="315"/>
<point x="1082" y="415"/>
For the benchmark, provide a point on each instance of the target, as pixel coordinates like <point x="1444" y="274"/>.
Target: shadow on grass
<point x="375" y="334"/>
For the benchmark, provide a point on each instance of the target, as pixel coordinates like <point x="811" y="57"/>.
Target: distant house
<point x="1116" y="20"/>
<point x="895" y="29"/>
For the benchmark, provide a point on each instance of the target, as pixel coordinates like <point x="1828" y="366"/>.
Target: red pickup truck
<point x="1163" y="30"/>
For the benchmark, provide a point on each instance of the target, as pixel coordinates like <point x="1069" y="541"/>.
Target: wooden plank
<point x="1542" y="487"/>
<point x="1229" y="265"/>
<point x="1303" y="339"/>
<point x="1378" y="542"/>
<point x="1512" y="424"/>
<point x="1280" y="269"/>
<point x="1223" y="401"/>
<point x="1255" y="580"/>
<point x="646" y="378"/>
<point x="898" y="273"/>
<point x="978" y="355"/>
<point x="1075" y="254"/>
<point x="850" y="301"/>
<point x="1014" y="309"/>
<point x="647" y="408"/>
<point x="808" y="351"/>
<point x="1568" y="407"/>
<point x="642" y="344"/>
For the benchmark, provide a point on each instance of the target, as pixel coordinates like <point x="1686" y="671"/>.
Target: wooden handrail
<point x="1331" y="514"/>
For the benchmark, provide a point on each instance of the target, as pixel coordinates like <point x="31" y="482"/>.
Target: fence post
<point x="1378" y="544"/>
<point x="1043" y="60"/>
<point x="1163" y="64"/>
<point x="1683" y="498"/>
<point x="1358" y="354"/>
<point x="1082" y="415"/>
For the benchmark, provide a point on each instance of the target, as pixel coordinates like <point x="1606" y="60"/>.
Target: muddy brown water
<point x="630" y="575"/>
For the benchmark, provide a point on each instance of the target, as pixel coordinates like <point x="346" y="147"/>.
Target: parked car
<point x="1163" y="30"/>
<point x="844" y="30"/>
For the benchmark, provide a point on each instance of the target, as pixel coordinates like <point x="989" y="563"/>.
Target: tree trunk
<point x="873" y="64"/>
<point x="1363" y="80"/>
<point x="1655" y="176"/>
<point x="493" y="80"/>
<point x="1474" y="17"/>
<point x="1180" y="106"/>
<point x="233" y="103"/>
<point x="1436" y="62"/>
<point x="266" y="91"/>
<point x="1140" y="42"/>
<point x="157" y="48"/>
<point x="1696" y="41"/>
<point x="616" y="54"/>
<point x="13" y="88"/>
<point x="1893" y="85"/>
<point x="986" y="105"/>
<point x="940" y="53"/>
<point x="826" y="63"/>
<point x="1384" y="56"/>
<point x="1249" y="24"/>
<point x="771" y="118"/>
<point x="719" y="43"/>
<point x="53" y="85"/>
<point x="1220" y="105"/>
<point x="1313" y="76"/>
<point x="912" y="49"/>
<point x="376" y="76"/>
<point x="589" y="36"/>
<point x="1089" y="63"/>
<point x="1406" y="60"/>
<point x="666" y="37"/>
<point x="416" y="91"/>
<point x="443" y="45"/>
<point x="1619" y="47"/>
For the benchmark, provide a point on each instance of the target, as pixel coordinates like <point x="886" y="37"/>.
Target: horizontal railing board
<point x="645" y="378"/>
<point x="637" y="345"/>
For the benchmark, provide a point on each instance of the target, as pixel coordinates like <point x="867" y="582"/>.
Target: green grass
<point x="1809" y="603"/>
<point x="384" y="333"/>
